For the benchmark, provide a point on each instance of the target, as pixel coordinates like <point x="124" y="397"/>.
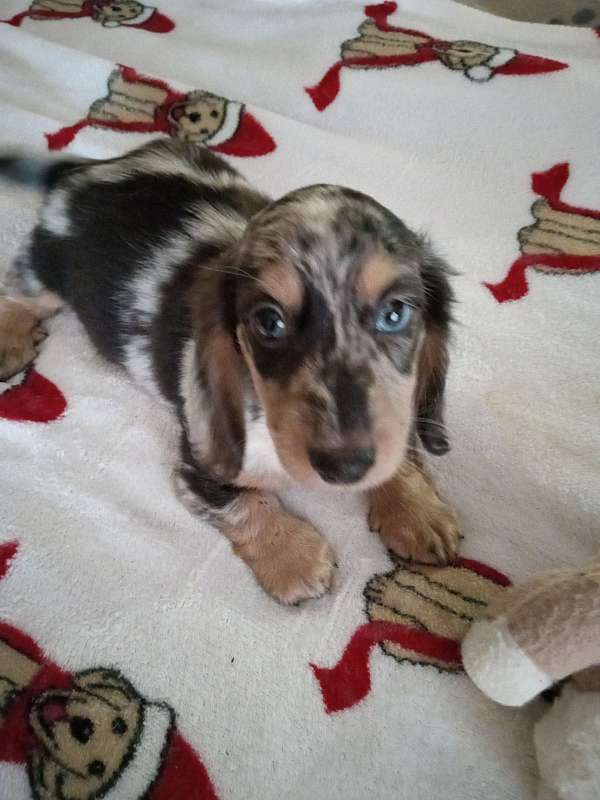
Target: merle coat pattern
<point x="300" y="341"/>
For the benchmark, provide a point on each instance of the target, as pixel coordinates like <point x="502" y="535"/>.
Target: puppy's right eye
<point x="268" y="323"/>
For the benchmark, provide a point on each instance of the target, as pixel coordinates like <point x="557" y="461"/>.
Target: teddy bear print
<point x="380" y="45"/>
<point x="90" y="734"/>
<point x="137" y="103"/>
<point x="563" y="238"/>
<point x="417" y="614"/>
<point x="108" y="13"/>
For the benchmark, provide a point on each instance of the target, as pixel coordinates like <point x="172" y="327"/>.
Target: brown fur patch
<point x="377" y="273"/>
<point x="222" y="366"/>
<point x="432" y="366"/>
<point x="412" y="520"/>
<point x="289" y="559"/>
<point x="431" y="382"/>
<point x="20" y="331"/>
<point x="283" y="284"/>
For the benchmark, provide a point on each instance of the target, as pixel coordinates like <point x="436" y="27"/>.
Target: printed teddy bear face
<point x="87" y="735"/>
<point x="118" y="11"/>
<point x="462" y="55"/>
<point x="198" y="117"/>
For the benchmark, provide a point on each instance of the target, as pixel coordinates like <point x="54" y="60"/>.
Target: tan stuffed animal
<point x="535" y="635"/>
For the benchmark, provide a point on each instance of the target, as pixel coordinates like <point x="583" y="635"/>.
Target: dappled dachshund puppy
<point x="300" y="341"/>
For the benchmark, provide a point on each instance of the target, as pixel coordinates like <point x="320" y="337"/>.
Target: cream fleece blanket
<point x="121" y="611"/>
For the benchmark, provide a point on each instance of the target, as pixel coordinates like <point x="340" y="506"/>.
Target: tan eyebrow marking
<point x="376" y="274"/>
<point x="283" y="284"/>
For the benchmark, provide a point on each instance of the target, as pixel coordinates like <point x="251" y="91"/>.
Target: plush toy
<point x="540" y="634"/>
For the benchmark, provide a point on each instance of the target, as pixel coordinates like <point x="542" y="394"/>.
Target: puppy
<point x="300" y="341"/>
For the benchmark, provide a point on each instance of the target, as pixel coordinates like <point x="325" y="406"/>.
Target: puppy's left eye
<point x="268" y="323"/>
<point x="393" y="316"/>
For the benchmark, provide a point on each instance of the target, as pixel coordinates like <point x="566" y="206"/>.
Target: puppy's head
<point x="341" y="314"/>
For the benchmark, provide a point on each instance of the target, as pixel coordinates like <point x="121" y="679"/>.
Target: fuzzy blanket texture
<point x="138" y="659"/>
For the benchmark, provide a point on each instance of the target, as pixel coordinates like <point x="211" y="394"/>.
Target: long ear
<point x="431" y="382"/>
<point x="222" y="368"/>
<point x="433" y="359"/>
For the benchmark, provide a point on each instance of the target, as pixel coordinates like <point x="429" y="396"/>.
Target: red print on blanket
<point x="380" y="45"/>
<point x="563" y="239"/>
<point x="136" y="103"/>
<point x="89" y="734"/>
<point x="109" y="13"/>
<point x="418" y="614"/>
<point x="8" y="551"/>
<point x="35" y="399"/>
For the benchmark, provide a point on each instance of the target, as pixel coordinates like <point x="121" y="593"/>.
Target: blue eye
<point x="268" y="323"/>
<point x="393" y="316"/>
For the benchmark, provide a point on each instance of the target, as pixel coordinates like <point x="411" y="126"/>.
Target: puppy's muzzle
<point x="342" y="465"/>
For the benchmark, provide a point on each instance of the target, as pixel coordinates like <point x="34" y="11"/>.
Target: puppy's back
<point x="119" y="239"/>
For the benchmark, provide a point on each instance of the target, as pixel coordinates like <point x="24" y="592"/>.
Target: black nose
<point x="81" y="728"/>
<point x="342" y="466"/>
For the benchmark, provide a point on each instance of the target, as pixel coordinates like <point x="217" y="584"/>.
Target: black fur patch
<point x="173" y="324"/>
<point x="349" y="390"/>
<point x="312" y="332"/>
<point x="214" y="494"/>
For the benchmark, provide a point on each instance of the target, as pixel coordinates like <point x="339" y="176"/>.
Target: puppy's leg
<point x="20" y="330"/>
<point x="289" y="558"/>
<point x="412" y="520"/>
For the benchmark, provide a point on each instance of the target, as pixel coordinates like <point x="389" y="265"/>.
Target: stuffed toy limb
<point x="536" y="635"/>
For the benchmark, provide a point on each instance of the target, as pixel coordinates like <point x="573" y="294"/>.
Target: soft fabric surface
<point x="114" y="600"/>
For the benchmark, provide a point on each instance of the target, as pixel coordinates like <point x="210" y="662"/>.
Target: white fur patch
<point x="215" y="224"/>
<point x="262" y="468"/>
<point x="164" y="162"/>
<point x="54" y="215"/>
<point x="141" y="300"/>
<point x="194" y="401"/>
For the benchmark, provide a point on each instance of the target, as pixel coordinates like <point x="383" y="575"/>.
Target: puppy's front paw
<point x="413" y="521"/>
<point x="20" y="334"/>
<point x="292" y="562"/>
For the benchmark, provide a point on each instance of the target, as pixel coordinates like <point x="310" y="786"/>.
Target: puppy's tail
<point x="37" y="171"/>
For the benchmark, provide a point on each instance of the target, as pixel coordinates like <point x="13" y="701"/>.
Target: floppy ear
<point x="433" y="358"/>
<point x="222" y="369"/>
<point x="431" y="381"/>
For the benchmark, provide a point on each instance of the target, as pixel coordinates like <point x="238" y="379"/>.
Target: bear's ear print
<point x="107" y="684"/>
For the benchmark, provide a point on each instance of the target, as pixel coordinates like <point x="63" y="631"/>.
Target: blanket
<point x="138" y="659"/>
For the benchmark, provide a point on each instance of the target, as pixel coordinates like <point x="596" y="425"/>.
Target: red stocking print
<point x="199" y="116"/>
<point x="563" y="239"/>
<point x="380" y="45"/>
<point x="394" y="603"/>
<point x="36" y="399"/>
